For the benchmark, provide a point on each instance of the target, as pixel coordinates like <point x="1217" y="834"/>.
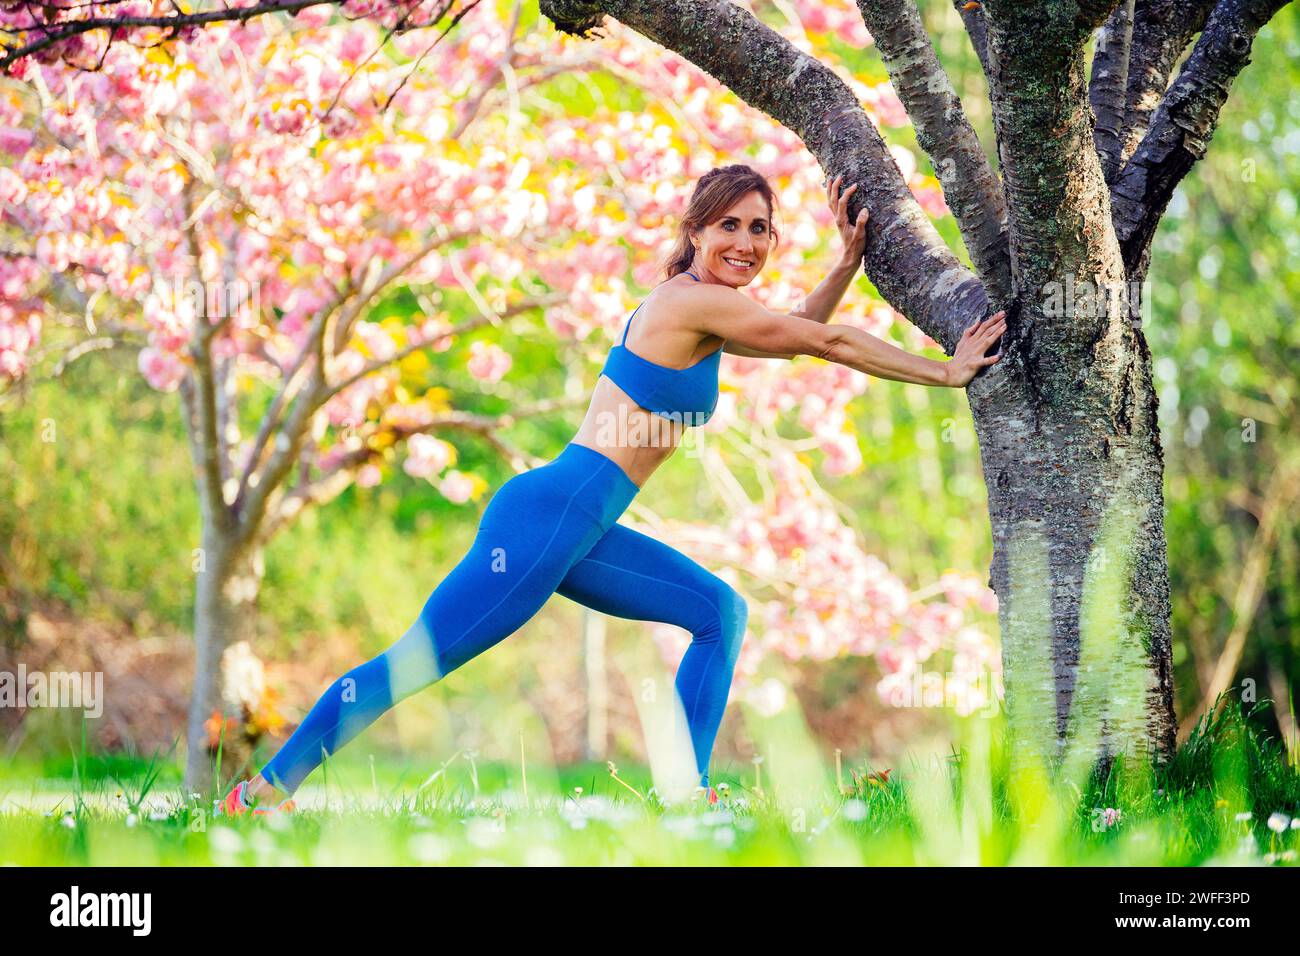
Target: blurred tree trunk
<point x="227" y="585"/>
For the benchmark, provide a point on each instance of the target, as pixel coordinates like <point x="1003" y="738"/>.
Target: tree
<point x="286" y="223"/>
<point x="1059" y="236"/>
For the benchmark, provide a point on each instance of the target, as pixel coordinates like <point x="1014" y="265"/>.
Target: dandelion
<point x="1278" y="822"/>
<point x="69" y="821"/>
<point x="132" y="819"/>
<point x="1242" y="817"/>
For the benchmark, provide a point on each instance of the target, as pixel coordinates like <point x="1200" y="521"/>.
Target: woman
<point x="553" y="529"/>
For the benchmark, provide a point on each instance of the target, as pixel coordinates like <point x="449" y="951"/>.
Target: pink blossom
<point x="456" y="487"/>
<point x="488" y="362"/>
<point x="14" y="141"/>
<point x="162" y="370"/>
<point x="427" y="456"/>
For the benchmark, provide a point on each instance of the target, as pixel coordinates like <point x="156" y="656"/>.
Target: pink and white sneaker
<point x="235" y="805"/>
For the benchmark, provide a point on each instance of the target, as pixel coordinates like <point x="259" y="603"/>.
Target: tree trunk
<point x="1074" y="467"/>
<point x="227" y="583"/>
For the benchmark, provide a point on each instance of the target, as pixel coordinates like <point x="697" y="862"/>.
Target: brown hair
<point x="717" y="191"/>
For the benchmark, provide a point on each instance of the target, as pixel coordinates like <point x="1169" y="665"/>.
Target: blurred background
<point x="98" y="527"/>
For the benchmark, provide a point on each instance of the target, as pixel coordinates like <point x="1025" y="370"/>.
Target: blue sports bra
<point x="688" y="395"/>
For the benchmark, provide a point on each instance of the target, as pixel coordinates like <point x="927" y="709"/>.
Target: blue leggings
<point x="549" y="530"/>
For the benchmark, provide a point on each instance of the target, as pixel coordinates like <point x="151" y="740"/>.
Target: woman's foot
<point x="707" y="794"/>
<point x="240" y="801"/>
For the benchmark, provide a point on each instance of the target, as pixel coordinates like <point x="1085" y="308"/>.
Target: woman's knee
<point x="732" y="616"/>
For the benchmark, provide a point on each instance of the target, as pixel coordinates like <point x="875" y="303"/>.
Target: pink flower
<point x="426" y="456"/>
<point x="162" y="370"/>
<point x="488" y="362"/>
<point x="15" y="141"/>
<point x="369" y="476"/>
<point x="315" y="16"/>
<point x="456" y="487"/>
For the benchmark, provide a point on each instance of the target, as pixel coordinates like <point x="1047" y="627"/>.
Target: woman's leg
<point x="534" y="528"/>
<point x="631" y="575"/>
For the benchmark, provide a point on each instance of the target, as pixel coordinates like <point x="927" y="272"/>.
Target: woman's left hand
<point x="852" y="234"/>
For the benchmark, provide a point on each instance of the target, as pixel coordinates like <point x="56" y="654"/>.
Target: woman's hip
<point x="580" y="484"/>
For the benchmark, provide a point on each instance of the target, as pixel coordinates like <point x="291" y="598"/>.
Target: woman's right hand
<point x="969" y="357"/>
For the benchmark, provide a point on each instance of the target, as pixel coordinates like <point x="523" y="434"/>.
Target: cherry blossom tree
<point x="238" y="209"/>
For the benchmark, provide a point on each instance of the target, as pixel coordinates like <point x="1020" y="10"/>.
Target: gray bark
<point x="1109" y="83"/>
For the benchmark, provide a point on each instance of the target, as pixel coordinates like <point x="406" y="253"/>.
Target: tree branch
<point x="204" y="399"/>
<point x="1161" y="31"/>
<point x="287" y="506"/>
<point x="288" y="390"/>
<point x="905" y="257"/>
<point x="51" y="33"/>
<point x="464" y="328"/>
<point x="972" y="15"/>
<point x="1184" y="123"/>
<point x="369" y="289"/>
<point x="1109" y="83"/>
<point x="970" y="187"/>
<point x="251" y="501"/>
<point x="1050" y="170"/>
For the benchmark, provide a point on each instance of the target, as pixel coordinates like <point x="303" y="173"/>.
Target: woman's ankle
<point x="258" y="789"/>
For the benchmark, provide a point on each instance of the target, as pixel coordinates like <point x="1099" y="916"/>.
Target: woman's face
<point x="731" y="250"/>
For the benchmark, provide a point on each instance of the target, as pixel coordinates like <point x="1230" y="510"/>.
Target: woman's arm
<point x="825" y="299"/>
<point x="728" y="313"/>
<point x="822" y="303"/>
<point x="731" y="348"/>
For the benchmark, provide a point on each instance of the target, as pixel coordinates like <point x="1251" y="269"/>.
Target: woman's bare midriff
<point x="636" y="440"/>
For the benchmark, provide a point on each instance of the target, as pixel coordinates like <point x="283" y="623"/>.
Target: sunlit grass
<point x="1229" y="798"/>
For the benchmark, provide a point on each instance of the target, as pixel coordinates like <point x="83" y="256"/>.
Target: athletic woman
<point x="554" y="529"/>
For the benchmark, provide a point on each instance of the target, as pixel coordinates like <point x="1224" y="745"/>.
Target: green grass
<point x="963" y="808"/>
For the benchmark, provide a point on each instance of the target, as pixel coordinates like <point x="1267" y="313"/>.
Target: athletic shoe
<point x="233" y="805"/>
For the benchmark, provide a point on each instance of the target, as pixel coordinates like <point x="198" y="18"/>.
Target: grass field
<point x="1230" y="797"/>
